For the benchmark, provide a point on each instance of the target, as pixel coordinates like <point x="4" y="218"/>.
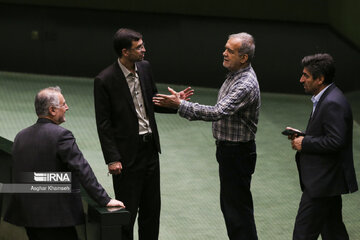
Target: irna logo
<point x="52" y="177"/>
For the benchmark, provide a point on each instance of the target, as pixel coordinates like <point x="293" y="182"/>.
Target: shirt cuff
<point x="110" y="163"/>
<point x="182" y="105"/>
<point x="183" y="108"/>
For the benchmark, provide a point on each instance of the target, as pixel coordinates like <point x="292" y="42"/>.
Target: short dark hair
<point x="321" y="64"/>
<point x="123" y="38"/>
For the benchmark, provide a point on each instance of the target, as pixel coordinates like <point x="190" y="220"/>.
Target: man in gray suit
<point x="324" y="155"/>
<point x="47" y="147"/>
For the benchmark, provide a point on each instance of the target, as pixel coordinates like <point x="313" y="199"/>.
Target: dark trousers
<point x="236" y="165"/>
<point x="58" y="233"/>
<point x="320" y="216"/>
<point x="138" y="186"/>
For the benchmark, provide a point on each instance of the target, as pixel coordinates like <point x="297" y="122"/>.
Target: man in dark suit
<point x="324" y="155"/>
<point x="128" y="133"/>
<point x="47" y="147"/>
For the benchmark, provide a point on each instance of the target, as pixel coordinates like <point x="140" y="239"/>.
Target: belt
<point x="147" y="137"/>
<point x="232" y="144"/>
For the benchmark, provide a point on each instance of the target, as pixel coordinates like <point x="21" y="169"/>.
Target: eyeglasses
<point x="61" y="105"/>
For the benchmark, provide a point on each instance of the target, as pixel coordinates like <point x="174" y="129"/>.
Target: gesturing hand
<point x="173" y="100"/>
<point x="186" y="93"/>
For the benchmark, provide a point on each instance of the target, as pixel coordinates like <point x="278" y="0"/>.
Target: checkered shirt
<point x="235" y="115"/>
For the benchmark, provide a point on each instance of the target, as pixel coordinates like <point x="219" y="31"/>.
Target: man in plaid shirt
<point x="235" y="118"/>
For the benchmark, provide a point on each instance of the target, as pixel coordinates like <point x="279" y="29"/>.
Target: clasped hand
<point x="115" y="168"/>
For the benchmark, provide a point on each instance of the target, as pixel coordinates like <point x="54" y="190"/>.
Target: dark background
<point x="182" y="48"/>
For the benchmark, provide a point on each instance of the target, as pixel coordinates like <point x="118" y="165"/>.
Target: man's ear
<point x="244" y="58"/>
<point x="52" y="111"/>
<point x="321" y="79"/>
<point x="124" y="52"/>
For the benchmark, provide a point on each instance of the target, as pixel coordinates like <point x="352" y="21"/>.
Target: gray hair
<point x="247" y="44"/>
<point x="46" y="98"/>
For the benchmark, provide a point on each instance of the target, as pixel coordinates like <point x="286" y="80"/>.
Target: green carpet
<point x="189" y="171"/>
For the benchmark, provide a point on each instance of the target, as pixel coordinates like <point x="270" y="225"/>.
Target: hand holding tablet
<point x="289" y="131"/>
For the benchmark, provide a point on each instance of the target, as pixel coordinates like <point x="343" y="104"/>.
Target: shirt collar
<point x="316" y="98"/>
<point x="232" y="74"/>
<point x="125" y="70"/>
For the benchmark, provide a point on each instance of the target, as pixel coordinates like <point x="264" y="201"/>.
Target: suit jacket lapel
<point x="143" y="83"/>
<point x="309" y="121"/>
<point x="313" y="115"/>
<point x="327" y="91"/>
<point x="124" y="87"/>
